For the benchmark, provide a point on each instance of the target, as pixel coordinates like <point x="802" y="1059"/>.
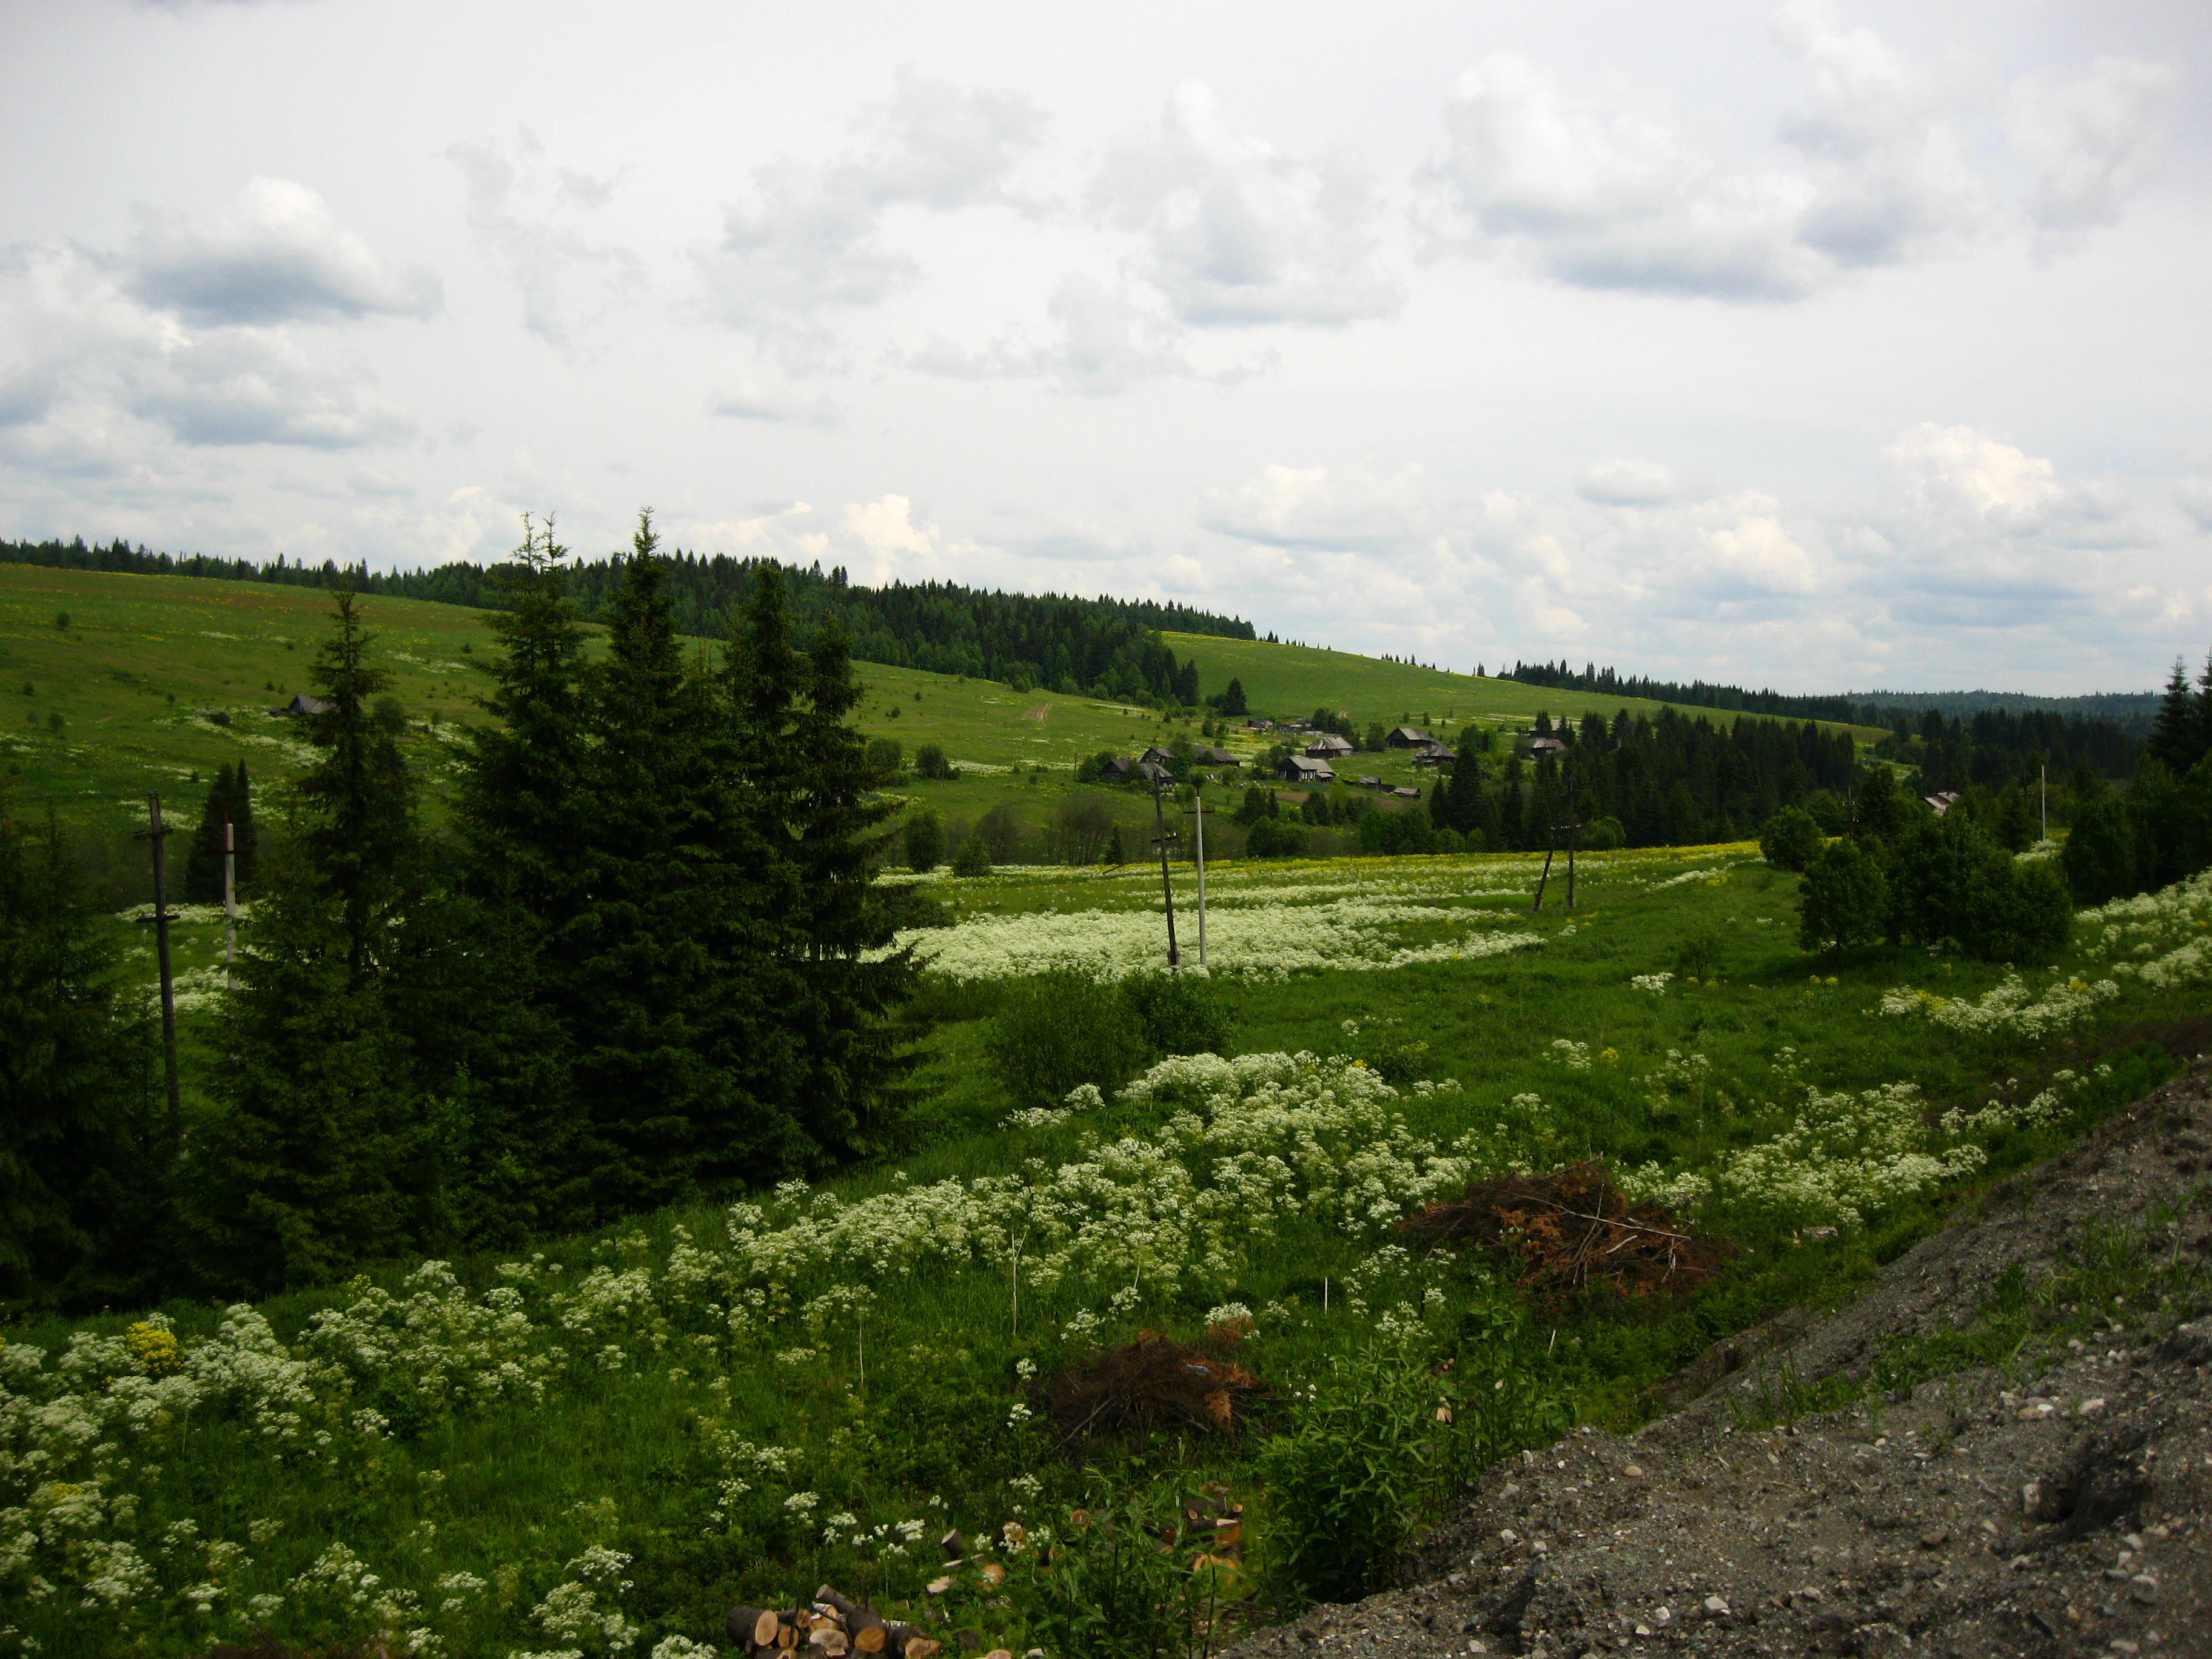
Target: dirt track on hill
<point x="2067" y="1511"/>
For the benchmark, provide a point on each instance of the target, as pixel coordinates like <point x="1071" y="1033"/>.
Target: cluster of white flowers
<point x="1655" y="983"/>
<point x="1575" y="1056"/>
<point x="1848" y="1154"/>
<point x="1270" y="940"/>
<point x="2012" y="1009"/>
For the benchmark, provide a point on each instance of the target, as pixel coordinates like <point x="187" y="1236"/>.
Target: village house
<point x="1408" y="790"/>
<point x="1435" y="754"/>
<point x="1370" y="783"/>
<point x="303" y="704"/>
<point x="1942" y="801"/>
<point x="1407" y="736"/>
<point x="1120" y="770"/>
<point x="1216" y="757"/>
<point x="1153" y="772"/>
<point x="1156" y="756"/>
<point x="1546" y="743"/>
<point x="1301" y="768"/>
<point x="1328" y="746"/>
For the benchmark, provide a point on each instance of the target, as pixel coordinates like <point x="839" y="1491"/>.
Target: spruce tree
<point x="2176" y="731"/>
<point x="319" y="1156"/>
<point x="230" y="796"/>
<point x="78" y="1146"/>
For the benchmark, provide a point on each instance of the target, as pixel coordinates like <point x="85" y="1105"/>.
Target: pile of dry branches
<point x="1154" y="1382"/>
<point x="1569" y="1230"/>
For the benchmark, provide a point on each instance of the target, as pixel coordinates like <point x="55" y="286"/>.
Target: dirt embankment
<point x="2059" y="1504"/>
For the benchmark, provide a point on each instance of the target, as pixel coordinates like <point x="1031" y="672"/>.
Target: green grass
<point x="1291" y="681"/>
<point x="639" y="1459"/>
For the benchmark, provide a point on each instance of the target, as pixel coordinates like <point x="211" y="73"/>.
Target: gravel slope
<point x="2066" y="1510"/>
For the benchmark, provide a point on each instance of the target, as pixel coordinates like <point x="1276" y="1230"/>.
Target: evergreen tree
<point x="319" y="1157"/>
<point x="1843" y="898"/>
<point x="1232" y="699"/>
<point x="78" y="1185"/>
<point x="813" y="793"/>
<point x="231" y="796"/>
<point x="2099" y="857"/>
<point x="2177" y="733"/>
<point x="925" y="842"/>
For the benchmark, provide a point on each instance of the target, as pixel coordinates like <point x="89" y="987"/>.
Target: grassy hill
<point x="1296" y="679"/>
<point x="156" y="681"/>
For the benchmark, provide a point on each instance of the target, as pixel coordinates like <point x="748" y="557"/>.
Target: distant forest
<point x="1979" y="737"/>
<point x="1107" y="647"/>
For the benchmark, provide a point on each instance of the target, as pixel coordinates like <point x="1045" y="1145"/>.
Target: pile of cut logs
<point x="833" y="1625"/>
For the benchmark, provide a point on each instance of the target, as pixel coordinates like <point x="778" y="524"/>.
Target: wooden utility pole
<point x="229" y="903"/>
<point x="158" y="832"/>
<point x="1573" y="829"/>
<point x="1167" y="890"/>
<point x="1198" y="808"/>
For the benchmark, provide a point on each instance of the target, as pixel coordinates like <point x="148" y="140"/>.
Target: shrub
<point x="1109" y="1590"/>
<point x="1057" y="1030"/>
<point x="1391" y="833"/>
<point x="1272" y="838"/>
<point x="1790" y="839"/>
<point x="1952" y="881"/>
<point x="973" y="858"/>
<point x="929" y="762"/>
<point x="1603" y="835"/>
<point x="885" y="758"/>
<point x="925" y="842"/>
<point x="1843" y="899"/>
<point x="1177" y="1013"/>
<point x="1699" y="955"/>
<point x="2022" y="913"/>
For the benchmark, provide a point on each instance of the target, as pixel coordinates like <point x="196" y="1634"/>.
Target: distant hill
<point x="1104" y="646"/>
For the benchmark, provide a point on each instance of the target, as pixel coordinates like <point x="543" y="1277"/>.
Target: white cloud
<point x="809" y="239"/>
<point x="522" y="213"/>
<point x="1101" y="341"/>
<point x="1622" y="482"/>
<point x="781" y="405"/>
<point x="82" y="356"/>
<point x="276" y="254"/>
<point x="2193" y="494"/>
<point x="2093" y="141"/>
<point x="1957" y="469"/>
<point x="1237" y="232"/>
<point x="1319" y="508"/>
<point x="1606" y="188"/>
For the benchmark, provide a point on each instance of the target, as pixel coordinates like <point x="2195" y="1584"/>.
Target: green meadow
<point x="599" y="1446"/>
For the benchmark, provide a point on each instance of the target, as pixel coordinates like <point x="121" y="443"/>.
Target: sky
<point x="1820" y="346"/>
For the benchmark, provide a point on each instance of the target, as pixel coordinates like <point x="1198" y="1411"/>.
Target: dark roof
<point x="1120" y="766"/>
<point x="1156" y="772"/>
<point x="1547" y="745"/>
<point x="303" y="703"/>
<point x="1218" y="757"/>
<point x="1407" y="736"/>
<point x="1408" y="790"/>
<point x="1306" y="770"/>
<point x="1157" y="754"/>
<point x="1370" y="783"/>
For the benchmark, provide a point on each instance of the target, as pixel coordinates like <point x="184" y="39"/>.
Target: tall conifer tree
<point x="319" y="1156"/>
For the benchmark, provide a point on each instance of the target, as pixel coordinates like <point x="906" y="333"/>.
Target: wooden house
<point x="1407" y="736"/>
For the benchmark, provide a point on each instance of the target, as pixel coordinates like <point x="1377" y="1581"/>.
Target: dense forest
<point x="1107" y="646"/>
<point x="2104" y="733"/>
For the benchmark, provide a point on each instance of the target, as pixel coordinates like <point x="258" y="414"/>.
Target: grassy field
<point x="600" y="1446"/>
<point x="1296" y="679"/>
<point x="157" y="681"/>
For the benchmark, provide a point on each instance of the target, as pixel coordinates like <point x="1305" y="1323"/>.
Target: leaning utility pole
<point x="1167" y="890"/>
<point x="158" y="832"/>
<point x="1573" y="828"/>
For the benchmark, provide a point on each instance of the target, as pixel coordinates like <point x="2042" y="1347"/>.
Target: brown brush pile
<point x="1569" y="1230"/>
<point x="1154" y="1382"/>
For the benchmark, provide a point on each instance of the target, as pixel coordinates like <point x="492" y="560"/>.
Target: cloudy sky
<point x="1824" y="346"/>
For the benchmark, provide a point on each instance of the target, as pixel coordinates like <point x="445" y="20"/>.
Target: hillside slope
<point x="2058" y="1502"/>
<point x="1296" y="679"/>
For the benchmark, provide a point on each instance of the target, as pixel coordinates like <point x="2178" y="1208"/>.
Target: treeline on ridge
<point x="1106" y="647"/>
<point x="1981" y="744"/>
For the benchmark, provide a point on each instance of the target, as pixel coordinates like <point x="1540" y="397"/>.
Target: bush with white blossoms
<point x="2012" y="1009"/>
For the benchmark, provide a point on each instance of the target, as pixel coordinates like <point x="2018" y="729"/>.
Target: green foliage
<point x="929" y="762"/>
<point x="77" y="1149"/>
<point x="1176" y="1014"/>
<point x="1389" y="834"/>
<point x="1843" y="900"/>
<point x="1603" y="834"/>
<point x="1789" y="839"/>
<point x="973" y="858"/>
<point x="1110" y="1590"/>
<point x="1055" y="1031"/>
<point x="1271" y="837"/>
<point x="1951" y="882"/>
<point x="1379" y="1444"/>
<point x="230" y="796"/>
<point x="885" y="758"/>
<point x="924" y="837"/>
